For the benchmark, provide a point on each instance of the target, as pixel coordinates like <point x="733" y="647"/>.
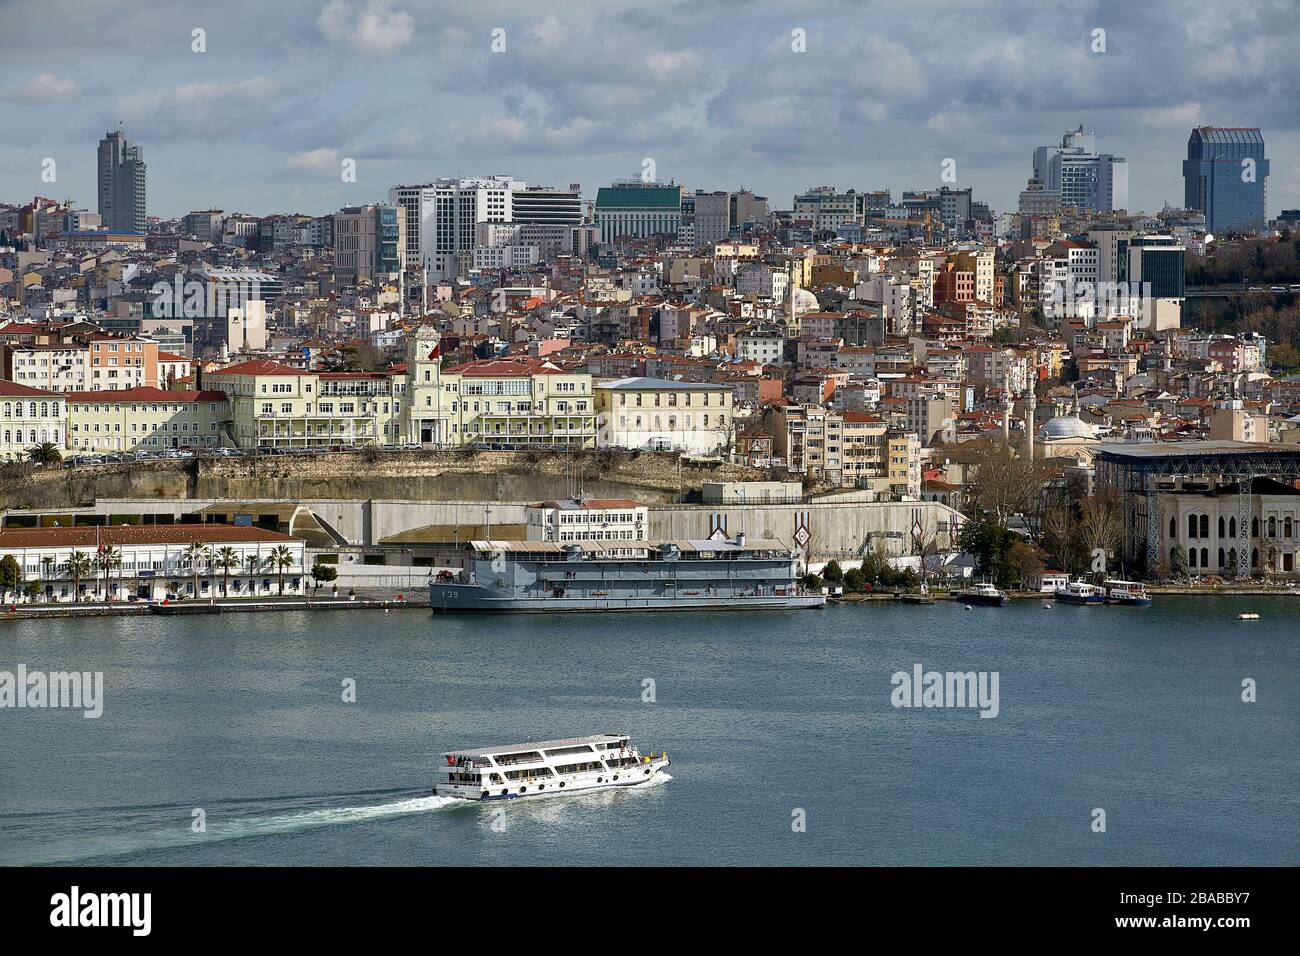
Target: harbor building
<point x="137" y="562"/>
<point x="595" y="519"/>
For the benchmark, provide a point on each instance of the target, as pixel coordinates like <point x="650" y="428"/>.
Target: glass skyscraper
<point x="1225" y="176"/>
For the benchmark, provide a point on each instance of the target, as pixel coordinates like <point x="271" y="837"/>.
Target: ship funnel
<point x="740" y="540"/>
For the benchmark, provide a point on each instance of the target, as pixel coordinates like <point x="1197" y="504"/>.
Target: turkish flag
<point x="435" y="352"/>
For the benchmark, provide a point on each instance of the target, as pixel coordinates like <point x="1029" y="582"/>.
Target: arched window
<point x="1173" y="528"/>
<point x="1205" y="557"/>
<point x="1232" y="558"/>
<point x="1191" y="557"/>
<point x="1232" y="528"/>
<point x="1221" y="563"/>
<point x="1221" y="526"/>
<point x="1272" y="527"/>
<point x="1254" y="527"/>
<point x="1254" y="557"/>
<point x="1205" y="526"/>
<point x="1172" y="552"/>
<point x="1191" y="526"/>
<point x="1286" y="528"/>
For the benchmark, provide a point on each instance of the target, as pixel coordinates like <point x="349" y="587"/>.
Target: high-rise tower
<point x="122" y="199"/>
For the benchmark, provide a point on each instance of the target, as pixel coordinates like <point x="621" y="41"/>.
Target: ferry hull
<point x="1065" y="598"/>
<point x="635" y="776"/>
<point x="462" y="598"/>
<point x="1128" y="601"/>
<point x="985" y="600"/>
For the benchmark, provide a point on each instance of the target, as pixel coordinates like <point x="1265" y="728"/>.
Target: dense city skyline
<point x="261" y="120"/>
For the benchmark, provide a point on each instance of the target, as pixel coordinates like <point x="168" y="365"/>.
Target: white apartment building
<point x="595" y="519"/>
<point x="763" y="344"/>
<point x="57" y="368"/>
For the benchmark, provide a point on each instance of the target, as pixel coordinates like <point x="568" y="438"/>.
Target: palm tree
<point x="47" y="566"/>
<point x="227" y="560"/>
<point x="195" y="553"/>
<point x="79" y="565"/>
<point x="46" y="454"/>
<point x="253" y="563"/>
<point x="109" y="560"/>
<point x="280" y="558"/>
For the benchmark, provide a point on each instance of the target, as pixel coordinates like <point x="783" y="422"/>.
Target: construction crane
<point x="926" y="222"/>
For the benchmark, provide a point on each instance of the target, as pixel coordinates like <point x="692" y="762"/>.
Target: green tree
<point x="196" y="553"/>
<point x="1178" y="562"/>
<point x="44" y="455"/>
<point x="854" y="580"/>
<point x="811" y="582"/>
<point x="33" y="590"/>
<point x="226" y="560"/>
<point x="79" y="565"/>
<point x="833" y="573"/>
<point x="323" y="573"/>
<point x="11" y="575"/>
<point x="988" y="542"/>
<point x="108" y="560"/>
<point x="281" y="559"/>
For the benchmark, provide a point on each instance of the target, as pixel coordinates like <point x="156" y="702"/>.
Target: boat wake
<point x="95" y="835"/>
<point x="113" y="833"/>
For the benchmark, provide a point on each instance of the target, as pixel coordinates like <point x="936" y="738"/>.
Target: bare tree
<point x="1061" y="537"/>
<point x="1002" y="483"/>
<point x="1101" y="524"/>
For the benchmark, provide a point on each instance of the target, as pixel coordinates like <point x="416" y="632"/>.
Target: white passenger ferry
<point x="546" y="767"/>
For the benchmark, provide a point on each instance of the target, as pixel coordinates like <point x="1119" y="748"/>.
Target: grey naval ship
<point x="623" y="575"/>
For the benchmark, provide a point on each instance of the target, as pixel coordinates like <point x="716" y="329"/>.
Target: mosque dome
<point x="801" y="300"/>
<point x="1065" y="427"/>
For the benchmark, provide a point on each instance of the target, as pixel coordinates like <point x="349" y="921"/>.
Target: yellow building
<point x="28" y="417"/>
<point x="651" y="414"/>
<point x="518" y="402"/>
<point x="275" y="406"/>
<point x="145" y="419"/>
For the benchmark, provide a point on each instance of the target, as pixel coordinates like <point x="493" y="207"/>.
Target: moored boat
<point x="984" y="594"/>
<point x="623" y="575"/>
<point x="1129" y="593"/>
<point x="572" y="765"/>
<point x="1080" y="592"/>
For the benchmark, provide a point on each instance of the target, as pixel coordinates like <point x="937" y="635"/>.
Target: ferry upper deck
<point x="550" y="748"/>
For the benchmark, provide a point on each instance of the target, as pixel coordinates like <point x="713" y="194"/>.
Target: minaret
<point x="1006" y="404"/>
<point x="1030" y="408"/>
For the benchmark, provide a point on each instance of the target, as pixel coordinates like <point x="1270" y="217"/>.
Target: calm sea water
<point x="1137" y="712"/>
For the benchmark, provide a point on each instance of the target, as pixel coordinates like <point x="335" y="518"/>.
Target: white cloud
<point x="1183" y="116"/>
<point x="370" y="27"/>
<point x="47" y="86"/>
<point x="320" y="161"/>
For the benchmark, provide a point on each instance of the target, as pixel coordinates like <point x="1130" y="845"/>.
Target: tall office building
<point x="635" y="208"/>
<point x="712" y="217"/>
<point x="449" y="213"/>
<point x="547" y="205"/>
<point x="1225" y="176"/>
<point x="1083" y="177"/>
<point x="408" y="201"/>
<point x="368" y="242"/>
<point x="122" y="205"/>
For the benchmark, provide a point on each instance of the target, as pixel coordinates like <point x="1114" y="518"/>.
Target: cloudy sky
<point x="711" y="90"/>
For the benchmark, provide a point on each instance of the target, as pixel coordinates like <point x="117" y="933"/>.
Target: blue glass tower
<point x="1224" y="176"/>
